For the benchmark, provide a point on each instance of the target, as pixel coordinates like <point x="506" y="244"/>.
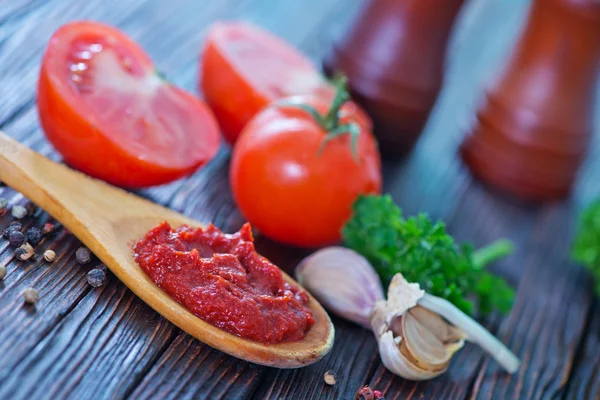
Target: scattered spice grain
<point x="34" y="236"/>
<point x="48" y="228"/>
<point x="31" y="208"/>
<point x="330" y="378"/>
<point x="2" y="272"/>
<point x="83" y="255"/>
<point x="19" y="212"/>
<point x="366" y="393"/>
<point x="24" y="252"/>
<point x="16" y="238"/>
<point x="14" y="226"/>
<point x="3" y="205"/>
<point x="96" y="277"/>
<point x="49" y="256"/>
<point x="30" y="295"/>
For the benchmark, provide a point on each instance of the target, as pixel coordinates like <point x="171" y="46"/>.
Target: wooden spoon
<point x="109" y="221"/>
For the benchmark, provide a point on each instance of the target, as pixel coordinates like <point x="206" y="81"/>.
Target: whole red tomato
<point x="298" y="167"/>
<point x="106" y="110"/>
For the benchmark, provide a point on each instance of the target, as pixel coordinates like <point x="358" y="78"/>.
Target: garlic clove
<point x="425" y="344"/>
<point x="446" y="332"/>
<point x="393" y="359"/>
<point x="388" y="326"/>
<point x="343" y="281"/>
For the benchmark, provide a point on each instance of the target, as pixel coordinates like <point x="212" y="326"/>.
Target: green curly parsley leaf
<point x="586" y="248"/>
<point x="424" y="253"/>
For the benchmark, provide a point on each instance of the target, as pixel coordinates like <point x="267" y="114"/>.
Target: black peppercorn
<point x="16" y="238"/>
<point x="34" y="236"/>
<point x="31" y="208"/>
<point x="96" y="277"/>
<point x="83" y="255"/>
<point x="12" y="227"/>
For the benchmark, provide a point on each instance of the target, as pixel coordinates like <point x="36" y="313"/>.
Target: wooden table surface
<point x="84" y="343"/>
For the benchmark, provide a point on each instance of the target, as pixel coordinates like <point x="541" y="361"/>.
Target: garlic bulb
<point x="414" y="343"/>
<point x="416" y="335"/>
<point x="343" y="281"/>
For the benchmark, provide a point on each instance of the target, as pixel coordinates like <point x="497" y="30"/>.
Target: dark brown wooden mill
<point x="534" y="124"/>
<point x="393" y="55"/>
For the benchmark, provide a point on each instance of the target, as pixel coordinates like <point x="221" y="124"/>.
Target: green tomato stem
<point x="492" y="252"/>
<point x="330" y="122"/>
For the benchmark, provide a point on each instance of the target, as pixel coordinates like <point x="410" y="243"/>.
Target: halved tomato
<point x="107" y="111"/>
<point x="244" y="68"/>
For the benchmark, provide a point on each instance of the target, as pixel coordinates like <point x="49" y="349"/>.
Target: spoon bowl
<point x="109" y="220"/>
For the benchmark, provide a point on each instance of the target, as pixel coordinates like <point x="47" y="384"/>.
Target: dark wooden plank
<point x="190" y="369"/>
<point x="63" y="284"/>
<point x="352" y="360"/>
<point x="476" y="57"/>
<point x="12" y="10"/>
<point x="97" y="351"/>
<point x="190" y="200"/>
<point x="216" y="193"/>
<point x="547" y="341"/>
<point x="585" y="381"/>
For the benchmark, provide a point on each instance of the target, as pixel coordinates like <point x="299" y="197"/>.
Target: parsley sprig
<point x="586" y="248"/>
<point x="424" y="253"/>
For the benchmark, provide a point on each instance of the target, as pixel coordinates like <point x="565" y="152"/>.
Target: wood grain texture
<point x="115" y="347"/>
<point x="585" y="380"/>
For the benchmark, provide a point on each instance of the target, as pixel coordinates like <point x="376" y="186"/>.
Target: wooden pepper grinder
<point x="393" y="56"/>
<point x="533" y="127"/>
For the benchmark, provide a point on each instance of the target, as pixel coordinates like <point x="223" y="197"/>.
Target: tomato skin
<point x="85" y="143"/>
<point x="232" y="99"/>
<point x="288" y="191"/>
<point x="236" y="91"/>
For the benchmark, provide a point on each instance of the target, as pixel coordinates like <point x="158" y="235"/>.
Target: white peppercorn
<point x="19" y="212"/>
<point x="24" y="252"/>
<point x="49" y="255"/>
<point x="330" y="378"/>
<point x="30" y="295"/>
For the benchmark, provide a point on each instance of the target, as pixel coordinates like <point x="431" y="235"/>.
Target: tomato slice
<point x="244" y="68"/>
<point x="106" y="110"/>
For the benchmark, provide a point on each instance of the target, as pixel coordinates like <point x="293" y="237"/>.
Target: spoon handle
<point x="32" y="174"/>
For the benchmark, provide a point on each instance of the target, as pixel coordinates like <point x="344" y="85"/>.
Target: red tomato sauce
<point x="223" y="280"/>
